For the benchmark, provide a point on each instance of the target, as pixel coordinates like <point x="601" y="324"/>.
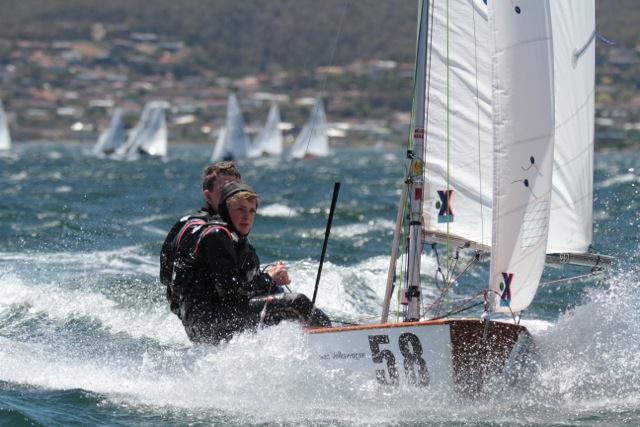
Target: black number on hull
<point x="411" y="349"/>
<point x="378" y="356"/>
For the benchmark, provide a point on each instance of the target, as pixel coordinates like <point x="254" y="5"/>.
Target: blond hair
<point x="243" y="195"/>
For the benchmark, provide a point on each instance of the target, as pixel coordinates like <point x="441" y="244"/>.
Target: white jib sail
<point x="313" y="139"/>
<point x="155" y="141"/>
<point x="5" y="137"/>
<point x="233" y="142"/>
<point x="150" y="133"/>
<point x="269" y="139"/>
<point x="458" y="159"/>
<point x="112" y="137"/>
<point x="573" y="25"/>
<point x="523" y="125"/>
<point x="219" y="148"/>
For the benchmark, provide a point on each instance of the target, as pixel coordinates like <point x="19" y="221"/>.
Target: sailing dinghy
<point x="149" y="136"/>
<point x="232" y="142"/>
<point x="313" y="140"/>
<point x="268" y="142"/>
<point x="482" y="177"/>
<point x="111" y="138"/>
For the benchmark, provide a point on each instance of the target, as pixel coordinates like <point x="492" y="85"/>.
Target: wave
<point x="125" y="260"/>
<point x="277" y="210"/>
<point x="587" y="357"/>
<point x="59" y="304"/>
<point x="617" y="180"/>
<point x="346" y="232"/>
<point x="592" y="351"/>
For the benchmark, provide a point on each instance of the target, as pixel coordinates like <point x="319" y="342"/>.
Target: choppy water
<point x="86" y="337"/>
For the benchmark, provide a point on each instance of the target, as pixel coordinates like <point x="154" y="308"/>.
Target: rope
<point x="475" y="259"/>
<point x="429" y="47"/>
<point x="568" y="279"/>
<point x="452" y="312"/>
<point x="475" y="57"/>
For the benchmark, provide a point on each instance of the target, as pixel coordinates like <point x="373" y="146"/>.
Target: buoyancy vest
<point x="168" y="252"/>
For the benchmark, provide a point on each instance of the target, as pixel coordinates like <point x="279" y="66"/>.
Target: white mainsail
<point x="313" y="140"/>
<point x="5" y="137"/>
<point x="523" y="131"/>
<point x="112" y="137"/>
<point x="232" y="141"/>
<point x="458" y="158"/>
<point x="464" y="167"/>
<point x="574" y="30"/>
<point x="149" y="136"/>
<point x="269" y="139"/>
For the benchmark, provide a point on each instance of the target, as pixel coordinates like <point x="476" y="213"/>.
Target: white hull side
<point x="444" y="356"/>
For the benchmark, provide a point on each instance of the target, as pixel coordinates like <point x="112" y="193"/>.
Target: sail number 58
<point x="415" y="368"/>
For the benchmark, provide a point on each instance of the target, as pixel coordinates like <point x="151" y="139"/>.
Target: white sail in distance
<point x="269" y="139"/>
<point x="149" y="136"/>
<point x="5" y="136"/>
<point x="232" y="142"/>
<point x="313" y="140"/>
<point x="113" y="137"/>
<point x="523" y="131"/>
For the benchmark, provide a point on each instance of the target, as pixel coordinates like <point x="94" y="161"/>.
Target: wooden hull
<point x="457" y="355"/>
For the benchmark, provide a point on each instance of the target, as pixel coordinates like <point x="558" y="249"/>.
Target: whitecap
<point x="277" y="210"/>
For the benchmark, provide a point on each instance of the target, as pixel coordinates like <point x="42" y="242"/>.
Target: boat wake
<point x="591" y="353"/>
<point x="117" y="339"/>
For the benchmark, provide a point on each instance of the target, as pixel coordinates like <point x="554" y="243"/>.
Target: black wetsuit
<point x="222" y="290"/>
<point x="216" y="273"/>
<point x="217" y="287"/>
<point x="167" y="253"/>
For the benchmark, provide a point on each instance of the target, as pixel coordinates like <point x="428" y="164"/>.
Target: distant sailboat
<point x="149" y="136"/>
<point x="269" y="139"/>
<point x="232" y="143"/>
<point x="313" y="140"/>
<point x="5" y="137"/>
<point x="112" y="137"/>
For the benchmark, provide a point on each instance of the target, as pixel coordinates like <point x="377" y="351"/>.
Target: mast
<point x="412" y="187"/>
<point x="415" y="173"/>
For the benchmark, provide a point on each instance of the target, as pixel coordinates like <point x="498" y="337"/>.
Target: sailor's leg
<point x="204" y="326"/>
<point x="290" y="306"/>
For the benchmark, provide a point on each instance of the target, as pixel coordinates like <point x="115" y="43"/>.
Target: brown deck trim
<point x="398" y="325"/>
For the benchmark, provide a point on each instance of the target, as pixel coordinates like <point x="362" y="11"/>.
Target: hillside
<point x="253" y="36"/>
<point x="58" y="58"/>
<point x="234" y="37"/>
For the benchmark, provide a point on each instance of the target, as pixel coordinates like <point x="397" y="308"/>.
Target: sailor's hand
<point x="279" y="274"/>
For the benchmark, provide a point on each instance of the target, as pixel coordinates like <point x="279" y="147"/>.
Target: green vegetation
<point x="234" y="37"/>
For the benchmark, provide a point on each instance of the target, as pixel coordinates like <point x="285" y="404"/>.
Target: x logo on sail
<point x="446" y="211"/>
<point x="505" y="287"/>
